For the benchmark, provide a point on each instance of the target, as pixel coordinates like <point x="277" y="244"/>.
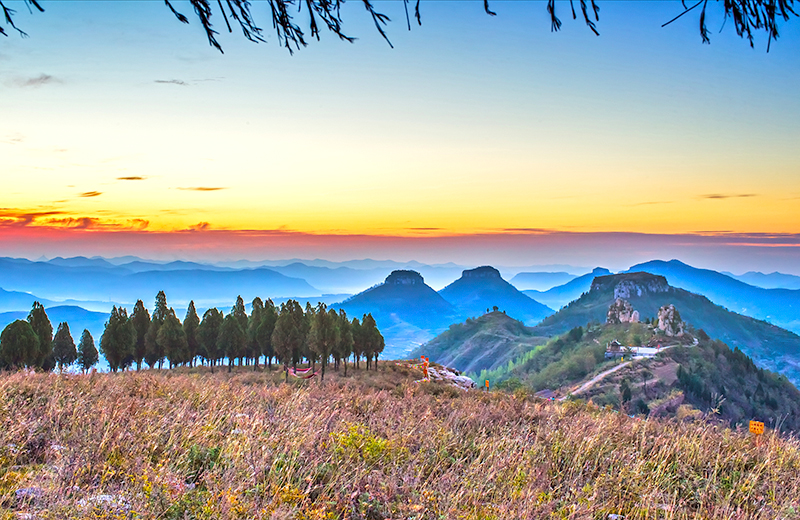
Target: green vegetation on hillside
<point x="770" y="346"/>
<point x="482" y="343"/>
<point x="566" y="359"/>
<point x="188" y="444"/>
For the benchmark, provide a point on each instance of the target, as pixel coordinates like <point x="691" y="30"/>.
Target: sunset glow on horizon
<point x="117" y="119"/>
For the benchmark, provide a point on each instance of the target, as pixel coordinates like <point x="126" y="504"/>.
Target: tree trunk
<point x="230" y="364"/>
<point x="344" y="361"/>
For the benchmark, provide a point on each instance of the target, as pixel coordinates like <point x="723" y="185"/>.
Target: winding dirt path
<point x="599" y="377"/>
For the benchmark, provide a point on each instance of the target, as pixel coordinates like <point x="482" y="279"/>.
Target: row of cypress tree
<point x="30" y="343"/>
<point x="286" y="333"/>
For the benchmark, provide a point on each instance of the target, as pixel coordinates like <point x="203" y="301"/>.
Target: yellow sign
<point x="756" y="427"/>
<point x="487" y="383"/>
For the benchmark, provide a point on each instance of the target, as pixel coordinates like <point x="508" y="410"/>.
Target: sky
<point x="474" y="139"/>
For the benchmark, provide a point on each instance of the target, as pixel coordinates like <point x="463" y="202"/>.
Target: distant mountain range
<point x="408" y="310"/>
<point x="90" y="279"/>
<point x="768" y="281"/>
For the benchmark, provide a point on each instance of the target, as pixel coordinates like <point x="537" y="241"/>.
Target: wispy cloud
<point x="132" y="178"/>
<point x="202" y="188"/>
<point x="136" y="224"/>
<point x="18" y="217"/>
<point x="200" y="226"/>
<point x="172" y="82"/>
<point x="36" y="81"/>
<point x="91" y="194"/>
<point x="728" y="195"/>
<point x="15" y="138"/>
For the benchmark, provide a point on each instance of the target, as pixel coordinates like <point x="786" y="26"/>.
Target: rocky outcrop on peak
<point x="669" y="320"/>
<point x="485" y="271"/>
<point x="621" y="311"/>
<point x="629" y="285"/>
<point x="403" y="277"/>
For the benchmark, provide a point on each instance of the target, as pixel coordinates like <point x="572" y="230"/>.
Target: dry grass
<point x="202" y="446"/>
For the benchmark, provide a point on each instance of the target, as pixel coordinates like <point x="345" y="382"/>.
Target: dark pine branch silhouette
<point x="748" y="16"/>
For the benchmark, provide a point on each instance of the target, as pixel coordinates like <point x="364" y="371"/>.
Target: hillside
<point x="378" y="445"/>
<point x="561" y="295"/>
<point x="480" y="289"/>
<point x="479" y="344"/>
<point x="403" y="306"/>
<point x="778" y="306"/>
<point x="706" y="376"/>
<point x="770" y="346"/>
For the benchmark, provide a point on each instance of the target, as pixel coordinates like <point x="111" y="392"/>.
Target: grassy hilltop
<point x="191" y="445"/>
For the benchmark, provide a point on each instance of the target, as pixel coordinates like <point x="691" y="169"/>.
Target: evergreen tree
<point x="141" y="323"/>
<point x="64" y="350"/>
<point x="239" y="312"/>
<point x="323" y="334"/>
<point x="118" y="340"/>
<point x="173" y="340"/>
<point x="87" y="352"/>
<point x="253" y="323"/>
<point x="190" y="324"/>
<point x="372" y="338"/>
<point x="358" y="341"/>
<point x="269" y="315"/>
<point x="44" y="331"/>
<point x="19" y="345"/>
<point x="287" y="336"/>
<point x="232" y="338"/>
<point x="344" y="344"/>
<point x="307" y="350"/>
<point x="154" y="353"/>
<point x="208" y="336"/>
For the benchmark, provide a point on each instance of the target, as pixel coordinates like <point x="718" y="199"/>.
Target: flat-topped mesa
<point x="485" y="271"/>
<point x="403" y="277"/>
<point x="626" y="285"/>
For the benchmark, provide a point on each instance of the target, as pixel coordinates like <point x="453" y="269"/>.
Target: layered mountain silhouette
<point x="116" y="283"/>
<point x="561" y="295"/>
<point x="778" y="306"/>
<point x="481" y="289"/>
<point x="773" y="280"/>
